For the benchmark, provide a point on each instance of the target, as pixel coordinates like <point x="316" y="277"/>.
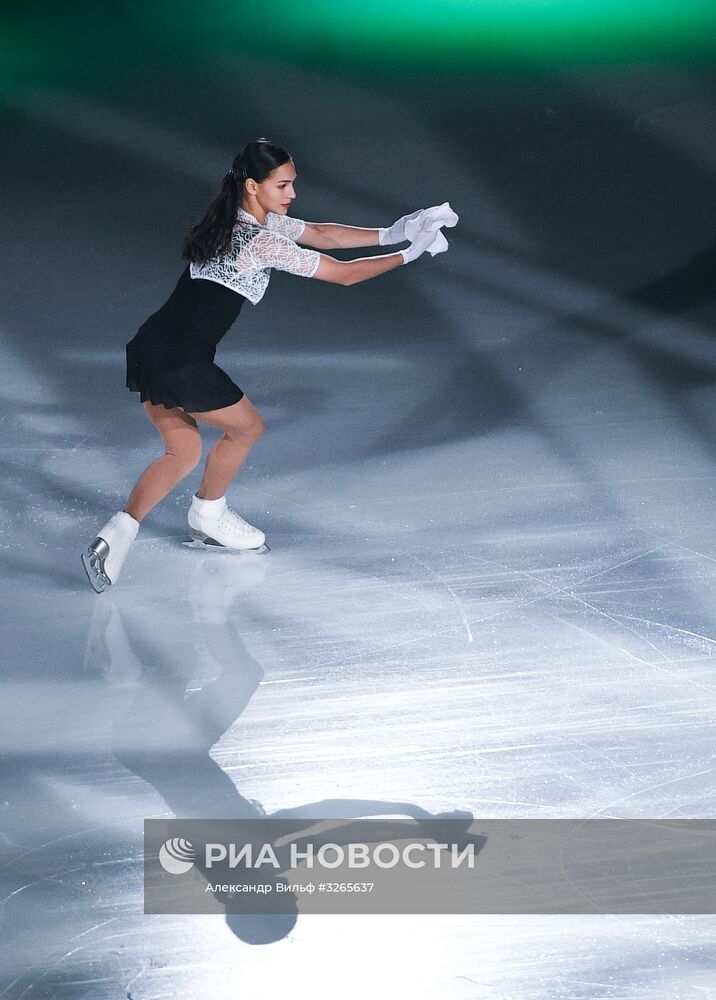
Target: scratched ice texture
<point x="488" y="487"/>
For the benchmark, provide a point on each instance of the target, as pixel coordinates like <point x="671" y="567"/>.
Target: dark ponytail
<point x="212" y="235"/>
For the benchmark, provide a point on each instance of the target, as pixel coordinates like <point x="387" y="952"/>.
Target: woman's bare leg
<point x="242" y="426"/>
<point x="182" y="443"/>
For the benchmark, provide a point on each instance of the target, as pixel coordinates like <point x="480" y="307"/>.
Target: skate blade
<point x="199" y="540"/>
<point x="93" y="562"/>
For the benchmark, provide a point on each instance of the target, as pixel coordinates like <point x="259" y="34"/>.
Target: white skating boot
<point x="105" y="557"/>
<point x="212" y="522"/>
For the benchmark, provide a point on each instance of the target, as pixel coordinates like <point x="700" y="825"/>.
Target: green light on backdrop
<point x="383" y="37"/>
<point x="511" y="29"/>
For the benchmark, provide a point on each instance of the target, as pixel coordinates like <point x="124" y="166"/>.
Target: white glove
<point x="407" y="227"/>
<point x="429" y="240"/>
<point x="396" y="232"/>
<point x="430" y="220"/>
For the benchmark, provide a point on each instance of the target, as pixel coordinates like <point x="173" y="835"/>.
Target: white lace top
<point x="246" y="264"/>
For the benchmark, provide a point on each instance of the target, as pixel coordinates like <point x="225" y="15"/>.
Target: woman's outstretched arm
<point x="349" y="272"/>
<point x="333" y="236"/>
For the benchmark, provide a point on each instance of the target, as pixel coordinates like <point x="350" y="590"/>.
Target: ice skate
<point x="105" y="557"/>
<point x="213" y="523"/>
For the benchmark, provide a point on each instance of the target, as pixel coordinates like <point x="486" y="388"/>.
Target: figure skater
<point x="245" y="232"/>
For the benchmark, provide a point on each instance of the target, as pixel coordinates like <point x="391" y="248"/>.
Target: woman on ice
<point x="245" y="232"/>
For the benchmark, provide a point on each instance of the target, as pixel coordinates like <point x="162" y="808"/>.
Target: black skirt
<point x="170" y="360"/>
<point x="196" y="387"/>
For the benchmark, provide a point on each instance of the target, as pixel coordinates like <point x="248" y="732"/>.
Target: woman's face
<point x="276" y="193"/>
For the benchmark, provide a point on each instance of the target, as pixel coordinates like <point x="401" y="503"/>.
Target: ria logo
<point x="176" y="856"/>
